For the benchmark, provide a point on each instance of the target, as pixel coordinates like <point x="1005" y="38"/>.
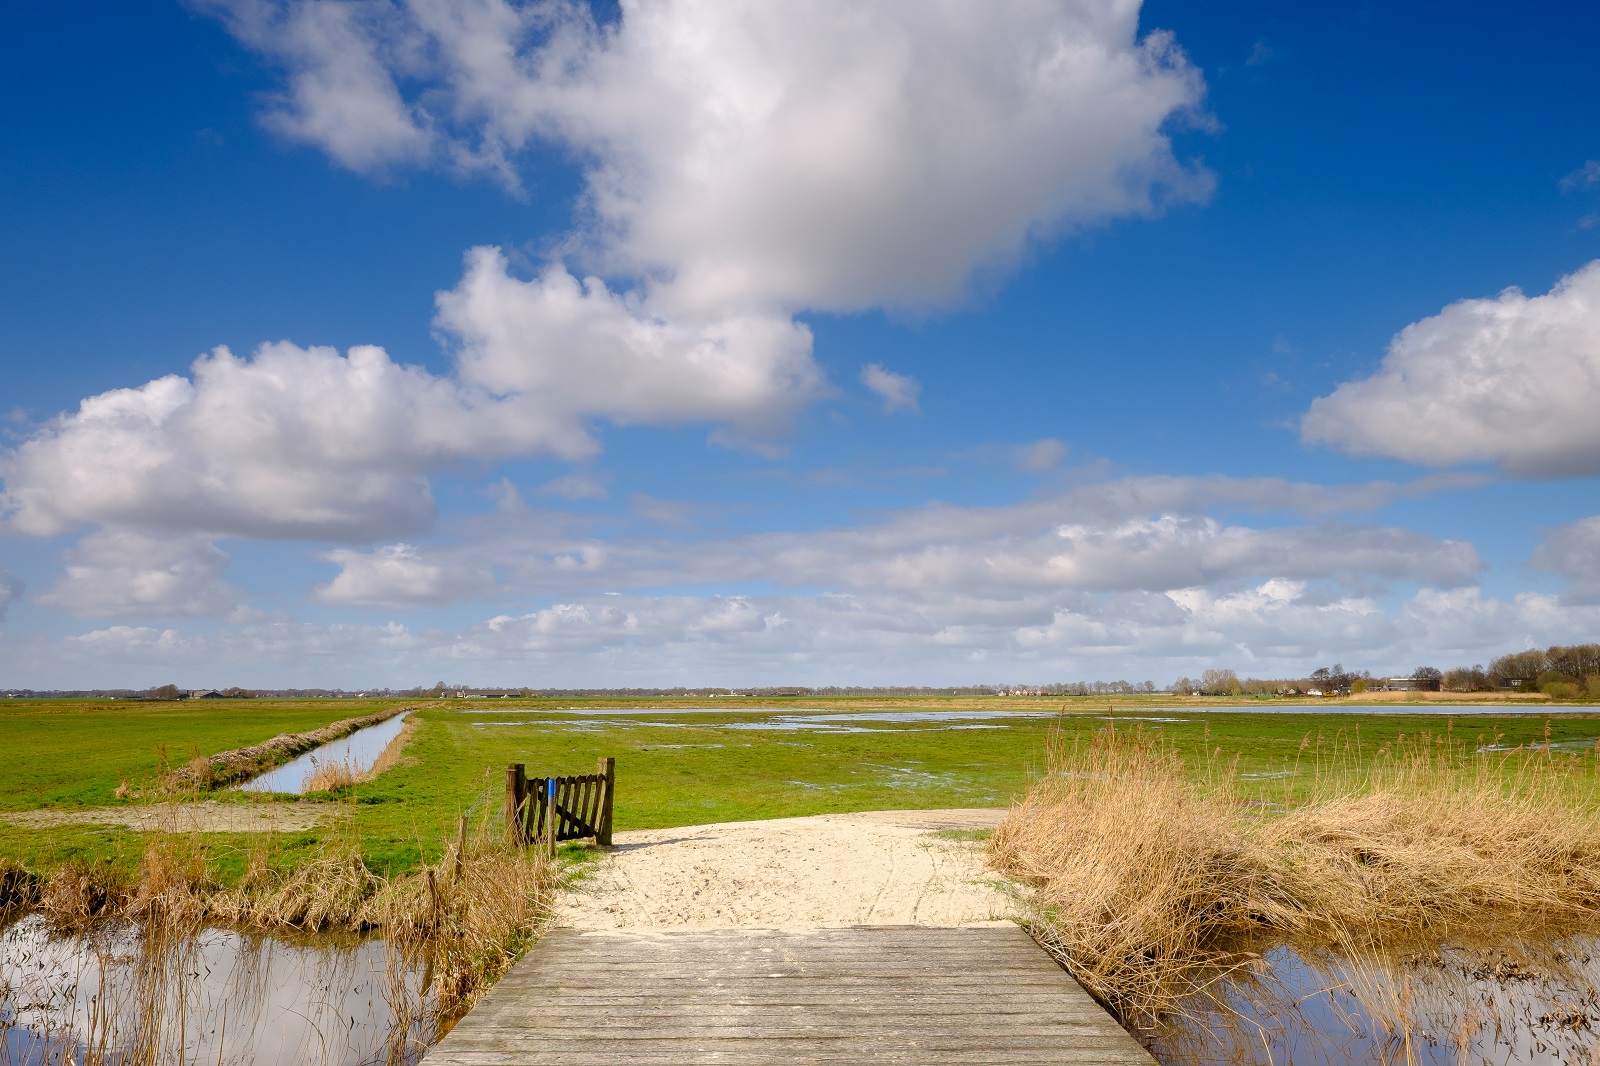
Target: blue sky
<point x="688" y="343"/>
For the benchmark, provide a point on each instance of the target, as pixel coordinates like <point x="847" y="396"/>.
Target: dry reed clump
<point x="491" y="910"/>
<point x="332" y="776"/>
<point x="474" y="913"/>
<point x="19" y="887"/>
<point x="471" y="915"/>
<point x="173" y="887"/>
<point x="78" y="893"/>
<point x="1143" y="869"/>
<point x="328" y="891"/>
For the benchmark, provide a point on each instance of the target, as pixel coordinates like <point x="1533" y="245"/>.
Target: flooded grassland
<point x="356" y="891"/>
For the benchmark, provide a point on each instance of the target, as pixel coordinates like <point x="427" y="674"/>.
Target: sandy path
<point x="874" y="868"/>
<point x="207" y="816"/>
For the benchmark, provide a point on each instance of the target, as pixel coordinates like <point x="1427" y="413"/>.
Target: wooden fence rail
<point x="547" y="810"/>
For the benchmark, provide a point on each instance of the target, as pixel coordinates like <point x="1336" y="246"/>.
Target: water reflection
<point x="212" y="996"/>
<point x="1520" y="1001"/>
<point x="358" y="751"/>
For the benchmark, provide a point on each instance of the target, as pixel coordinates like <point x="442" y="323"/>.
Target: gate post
<point x="515" y="831"/>
<point x="607" y="768"/>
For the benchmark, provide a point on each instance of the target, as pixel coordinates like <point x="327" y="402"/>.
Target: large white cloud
<point x="574" y="349"/>
<point x="399" y="575"/>
<point x="1513" y="380"/>
<point x="294" y="442"/>
<point x="839" y="155"/>
<point x="118" y="573"/>
<point x="773" y="155"/>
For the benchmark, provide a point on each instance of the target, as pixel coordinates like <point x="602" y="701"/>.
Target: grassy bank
<point x="1154" y="866"/>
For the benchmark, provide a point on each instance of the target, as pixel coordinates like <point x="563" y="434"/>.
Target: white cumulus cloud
<point x="1512" y="380"/>
<point x="400" y="576"/>
<point x="576" y="349"/>
<point x="119" y="573"/>
<point x="294" y="442"/>
<point x="778" y="155"/>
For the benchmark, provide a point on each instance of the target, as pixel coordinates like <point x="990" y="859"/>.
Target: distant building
<point x="1410" y="684"/>
<point x="206" y="694"/>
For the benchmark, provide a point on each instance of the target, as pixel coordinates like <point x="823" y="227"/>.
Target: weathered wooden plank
<point x="821" y="1057"/>
<point x="868" y="994"/>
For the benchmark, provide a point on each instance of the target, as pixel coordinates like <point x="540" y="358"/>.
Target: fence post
<point x="606" y="767"/>
<point x="514" y="785"/>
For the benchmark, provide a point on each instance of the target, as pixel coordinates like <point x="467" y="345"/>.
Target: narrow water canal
<point x="358" y="751"/>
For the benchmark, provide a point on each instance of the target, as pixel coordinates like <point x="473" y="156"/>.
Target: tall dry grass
<point x="470" y="915"/>
<point x="332" y="776"/>
<point x="1146" y="871"/>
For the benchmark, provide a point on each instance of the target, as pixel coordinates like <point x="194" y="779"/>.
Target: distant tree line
<point x="1058" y="688"/>
<point x="1560" y="671"/>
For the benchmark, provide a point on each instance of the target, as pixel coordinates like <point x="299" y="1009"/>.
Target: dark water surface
<point x="209" y="997"/>
<point x="1516" y="1003"/>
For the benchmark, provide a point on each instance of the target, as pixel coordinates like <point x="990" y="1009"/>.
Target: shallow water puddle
<point x="358" y="751"/>
<point x="1581" y="744"/>
<point x="1520" y="1004"/>
<point x="800" y="722"/>
<point x="212" y="997"/>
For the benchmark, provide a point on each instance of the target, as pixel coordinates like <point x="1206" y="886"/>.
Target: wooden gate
<point x="551" y="809"/>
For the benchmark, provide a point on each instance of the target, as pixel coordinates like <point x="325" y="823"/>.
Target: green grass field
<point x="679" y="762"/>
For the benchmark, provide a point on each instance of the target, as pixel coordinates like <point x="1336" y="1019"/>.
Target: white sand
<point x="875" y="868"/>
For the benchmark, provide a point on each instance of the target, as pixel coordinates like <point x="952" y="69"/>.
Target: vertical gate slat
<point x="575" y="808"/>
<point x="563" y="804"/>
<point x="543" y="812"/>
<point x="555" y="810"/>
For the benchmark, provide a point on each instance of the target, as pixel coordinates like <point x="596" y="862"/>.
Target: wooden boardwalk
<point x="972" y="996"/>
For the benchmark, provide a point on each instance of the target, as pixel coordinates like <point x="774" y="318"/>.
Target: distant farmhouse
<point x="1409" y="684"/>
